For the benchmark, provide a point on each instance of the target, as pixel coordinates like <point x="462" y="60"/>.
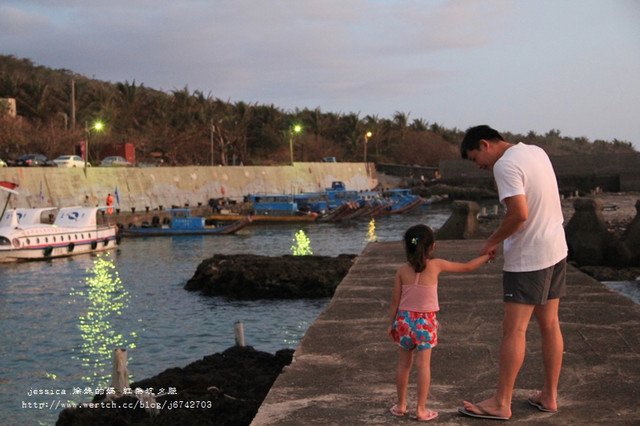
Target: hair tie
<point x="414" y="241"/>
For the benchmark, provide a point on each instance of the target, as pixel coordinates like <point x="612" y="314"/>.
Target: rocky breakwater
<point x="224" y="388"/>
<point x="603" y="251"/>
<point x="265" y="277"/>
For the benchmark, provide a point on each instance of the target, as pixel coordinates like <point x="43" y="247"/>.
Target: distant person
<point x="535" y="252"/>
<point x="109" y="204"/>
<point x="412" y="314"/>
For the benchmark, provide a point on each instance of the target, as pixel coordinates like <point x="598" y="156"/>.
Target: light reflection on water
<point x="104" y="301"/>
<point x="39" y="334"/>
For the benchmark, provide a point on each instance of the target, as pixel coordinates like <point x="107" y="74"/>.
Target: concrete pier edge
<point x="343" y="369"/>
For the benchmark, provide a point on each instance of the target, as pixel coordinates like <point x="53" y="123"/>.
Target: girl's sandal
<point x="430" y="416"/>
<point x="395" y="410"/>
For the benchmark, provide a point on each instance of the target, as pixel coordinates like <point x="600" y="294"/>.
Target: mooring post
<point x="239" y="331"/>
<point x="120" y="374"/>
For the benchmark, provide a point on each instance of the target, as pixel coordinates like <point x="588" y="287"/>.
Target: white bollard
<point x="239" y="331"/>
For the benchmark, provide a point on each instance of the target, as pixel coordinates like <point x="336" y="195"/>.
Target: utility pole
<point x="211" y="139"/>
<point x="73" y="104"/>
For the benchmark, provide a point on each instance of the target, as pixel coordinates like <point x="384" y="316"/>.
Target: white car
<point x="115" y="160"/>
<point x="70" y="161"/>
<point x="2" y="163"/>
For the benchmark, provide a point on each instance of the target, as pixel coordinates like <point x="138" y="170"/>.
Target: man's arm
<point x="517" y="213"/>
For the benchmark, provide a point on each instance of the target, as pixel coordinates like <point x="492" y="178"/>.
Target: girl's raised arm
<point x="448" y="266"/>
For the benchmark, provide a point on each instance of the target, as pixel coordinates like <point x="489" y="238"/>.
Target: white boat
<point x="23" y="236"/>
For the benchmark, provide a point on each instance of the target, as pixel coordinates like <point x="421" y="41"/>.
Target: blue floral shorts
<point x="415" y="330"/>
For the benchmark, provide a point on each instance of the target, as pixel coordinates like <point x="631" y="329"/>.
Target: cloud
<point x="440" y="59"/>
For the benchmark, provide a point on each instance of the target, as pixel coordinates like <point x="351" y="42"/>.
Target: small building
<point x="8" y="107"/>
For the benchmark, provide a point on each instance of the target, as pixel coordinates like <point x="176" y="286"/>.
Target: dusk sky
<point x="571" y="65"/>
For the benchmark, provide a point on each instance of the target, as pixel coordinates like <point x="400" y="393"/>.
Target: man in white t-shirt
<point x="535" y="251"/>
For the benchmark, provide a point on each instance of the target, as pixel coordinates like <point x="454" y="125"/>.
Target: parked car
<point x="70" y="161"/>
<point x="2" y="163"/>
<point x="114" y="161"/>
<point x="32" y="160"/>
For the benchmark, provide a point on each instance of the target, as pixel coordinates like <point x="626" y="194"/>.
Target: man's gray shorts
<point x="535" y="287"/>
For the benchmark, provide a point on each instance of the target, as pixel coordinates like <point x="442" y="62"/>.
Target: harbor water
<point x="61" y="319"/>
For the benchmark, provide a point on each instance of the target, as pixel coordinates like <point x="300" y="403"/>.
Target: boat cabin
<point x="182" y="219"/>
<point x="278" y="205"/>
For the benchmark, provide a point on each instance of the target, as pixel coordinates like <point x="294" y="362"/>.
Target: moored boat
<point x="75" y="230"/>
<point x="23" y="236"/>
<point x="271" y="208"/>
<point x="182" y="223"/>
<point x="233" y="217"/>
<point x="402" y="201"/>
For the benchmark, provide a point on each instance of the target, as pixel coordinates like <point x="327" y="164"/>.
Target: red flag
<point x="8" y="186"/>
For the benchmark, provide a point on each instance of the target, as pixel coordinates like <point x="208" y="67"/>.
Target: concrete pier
<point x="343" y="369"/>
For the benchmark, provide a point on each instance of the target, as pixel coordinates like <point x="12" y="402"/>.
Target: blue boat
<point x="315" y="202"/>
<point x="182" y="223"/>
<point x="402" y="200"/>
<point x="273" y="204"/>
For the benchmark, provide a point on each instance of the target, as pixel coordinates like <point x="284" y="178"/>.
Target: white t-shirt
<point x="540" y="243"/>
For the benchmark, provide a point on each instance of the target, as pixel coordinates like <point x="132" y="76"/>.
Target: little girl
<point x="412" y="314"/>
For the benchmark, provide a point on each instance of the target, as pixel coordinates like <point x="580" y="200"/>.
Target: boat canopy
<point x="75" y="217"/>
<point x="31" y="216"/>
<point x="9" y="219"/>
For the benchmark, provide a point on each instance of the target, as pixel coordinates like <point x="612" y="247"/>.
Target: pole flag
<point x="41" y="192"/>
<point x="117" y="194"/>
<point x="9" y="186"/>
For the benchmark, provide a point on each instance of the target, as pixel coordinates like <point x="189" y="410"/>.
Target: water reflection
<point x="105" y="298"/>
<point x="302" y="244"/>
<point x="371" y="232"/>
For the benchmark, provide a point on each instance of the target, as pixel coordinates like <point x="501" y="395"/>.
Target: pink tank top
<point x="419" y="298"/>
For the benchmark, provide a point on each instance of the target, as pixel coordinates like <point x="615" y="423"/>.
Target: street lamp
<point x="98" y="126"/>
<point x="294" y="130"/>
<point x="366" y="141"/>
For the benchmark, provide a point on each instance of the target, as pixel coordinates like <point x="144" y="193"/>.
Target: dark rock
<point x="587" y="234"/>
<point x="592" y="242"/>
<point x="228" y="387"/>
<point x="264" y="277"/>
<point x="632" y="237"/>
<point x="463" y="222"/>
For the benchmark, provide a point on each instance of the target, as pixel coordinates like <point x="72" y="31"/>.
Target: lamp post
<point x="98" y="126"/>
<point x="366" y="141"/>
<point x="294" y="130"/>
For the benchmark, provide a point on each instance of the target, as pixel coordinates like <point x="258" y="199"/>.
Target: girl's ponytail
<point x="417" y="242"/>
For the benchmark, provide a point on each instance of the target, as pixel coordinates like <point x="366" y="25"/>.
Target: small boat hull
<point x="67" y="249"/>
<point x="263" y="218"/>
<point x="231" y="228"/>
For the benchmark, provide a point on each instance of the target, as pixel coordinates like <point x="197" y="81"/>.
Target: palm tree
<point x="400" y="120"/>
<point x="419" y="125"/>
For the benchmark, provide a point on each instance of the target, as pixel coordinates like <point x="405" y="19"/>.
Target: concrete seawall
<point x="166" y="186"/>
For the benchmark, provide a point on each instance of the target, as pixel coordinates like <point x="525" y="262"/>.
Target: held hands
<point x="489" y="250"/>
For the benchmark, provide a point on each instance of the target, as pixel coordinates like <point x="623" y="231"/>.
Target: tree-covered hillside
<point x="190" y="127"/>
